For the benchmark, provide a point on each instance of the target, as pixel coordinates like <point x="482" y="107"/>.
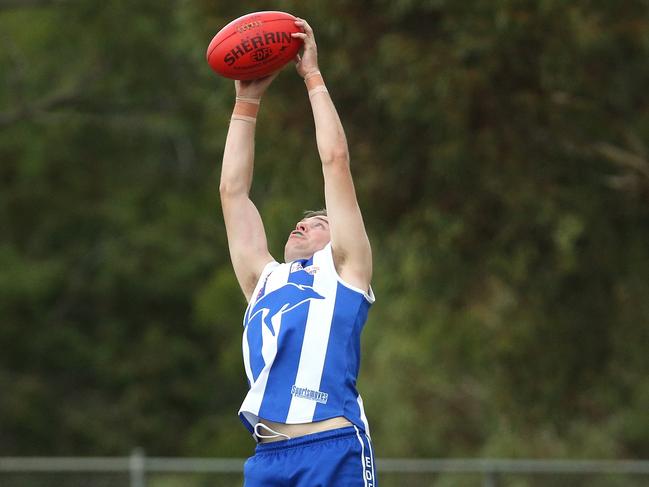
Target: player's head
<point x="311" y="234"/>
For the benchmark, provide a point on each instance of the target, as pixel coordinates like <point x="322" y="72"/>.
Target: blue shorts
<point x="337" y="458"/>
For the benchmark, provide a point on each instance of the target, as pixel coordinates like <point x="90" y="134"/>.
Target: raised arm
<point x="243" y="224"/>
<point x="349" y="241"/>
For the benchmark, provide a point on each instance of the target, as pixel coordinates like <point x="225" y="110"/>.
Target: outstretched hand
<point x="308" y="61"/>
<point x="254" y="88"/>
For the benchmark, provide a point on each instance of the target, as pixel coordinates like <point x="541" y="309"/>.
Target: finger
<point x="299" y="35"/>
<point x="297" y="58"/>
<point x="300" y="24"/>
<point x="305" y="25"/>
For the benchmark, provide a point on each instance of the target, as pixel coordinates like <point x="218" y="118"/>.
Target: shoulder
<point x="326" y="259"/>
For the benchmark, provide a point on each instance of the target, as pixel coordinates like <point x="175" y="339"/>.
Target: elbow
<point x="336" y="157"/>
<point x="230" y="190"/>
<point x="225" y="189"/>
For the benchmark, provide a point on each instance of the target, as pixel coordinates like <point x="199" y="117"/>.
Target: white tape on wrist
<point x="318" y="89"/>
<point x="244" y="118"/>
<point x="312" y="74"/>
<point x="248" y="99"/>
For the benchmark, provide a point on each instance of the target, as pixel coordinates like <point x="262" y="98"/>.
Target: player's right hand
<point x="254" y="88"/>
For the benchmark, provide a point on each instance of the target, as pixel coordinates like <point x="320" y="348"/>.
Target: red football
<point x="254" y="45"/>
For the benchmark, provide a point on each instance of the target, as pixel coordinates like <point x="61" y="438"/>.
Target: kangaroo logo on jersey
<point x="277" y="302"/>
<point x="281" y="300"/>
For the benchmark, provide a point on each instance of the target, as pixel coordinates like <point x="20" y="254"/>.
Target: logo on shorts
<point x="304" y="393"/>
<point x="368" y="471"/>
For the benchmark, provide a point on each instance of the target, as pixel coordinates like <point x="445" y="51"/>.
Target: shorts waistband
<point x="306" y="439"/>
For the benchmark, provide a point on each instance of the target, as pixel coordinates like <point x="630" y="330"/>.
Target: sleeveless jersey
<point x="301" y="344"/>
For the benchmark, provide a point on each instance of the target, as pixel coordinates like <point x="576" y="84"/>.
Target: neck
<point x="292" y="257"/>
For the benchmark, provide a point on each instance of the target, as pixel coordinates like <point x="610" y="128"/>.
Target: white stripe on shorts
<point x="358" y="435"/>
<point x="369" y="445"/>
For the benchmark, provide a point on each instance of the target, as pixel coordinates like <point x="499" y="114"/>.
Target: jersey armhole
<point x="368" y="295"/>
<point x="268" y="268"/>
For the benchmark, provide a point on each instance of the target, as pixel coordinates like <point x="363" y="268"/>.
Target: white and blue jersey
<point x="301" y="344"/>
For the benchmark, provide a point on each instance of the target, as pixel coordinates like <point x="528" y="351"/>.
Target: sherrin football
<point x="254" y="45"/>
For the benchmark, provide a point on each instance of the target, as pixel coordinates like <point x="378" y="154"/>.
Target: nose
<point x="301" y="226"/>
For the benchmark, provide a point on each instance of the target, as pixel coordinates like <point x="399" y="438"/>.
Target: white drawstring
<point x="276" y="434"/>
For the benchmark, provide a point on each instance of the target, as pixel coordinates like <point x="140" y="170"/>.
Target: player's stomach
<point x="297" y="430"/>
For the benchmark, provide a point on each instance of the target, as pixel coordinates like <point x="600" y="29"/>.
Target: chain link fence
<point x="140" y="471"/>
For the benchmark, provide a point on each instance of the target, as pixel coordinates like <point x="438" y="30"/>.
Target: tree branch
<point x="624" y="158"/>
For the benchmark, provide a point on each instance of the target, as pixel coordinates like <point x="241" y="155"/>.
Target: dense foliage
<point x="500" y="156"/>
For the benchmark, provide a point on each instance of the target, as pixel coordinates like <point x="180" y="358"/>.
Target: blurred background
<point x="500" y="154"/>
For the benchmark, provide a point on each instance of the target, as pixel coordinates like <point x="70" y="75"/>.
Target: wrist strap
<point x="246" y="108"/>
<point x="311" y="74"/>
<point x="243" y="118"/>
<point x="248" y="99"/>
<point x="318" y="89"/>
<point x="313" y="79"/>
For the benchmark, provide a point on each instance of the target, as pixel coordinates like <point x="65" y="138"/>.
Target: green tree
<point x="499" y="151"/>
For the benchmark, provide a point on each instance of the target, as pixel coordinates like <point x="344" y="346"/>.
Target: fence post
<point x="490" y="479"/>
<point x="137" y="468"/>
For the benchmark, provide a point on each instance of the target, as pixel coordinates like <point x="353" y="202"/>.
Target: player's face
<point x="309" y="236"/>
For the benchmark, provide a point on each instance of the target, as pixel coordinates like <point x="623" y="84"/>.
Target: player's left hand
<point x="308" y="62"/>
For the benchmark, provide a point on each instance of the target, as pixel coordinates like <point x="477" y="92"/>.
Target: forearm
<point x="238" y="156"/>
<point x="330" y="135"/>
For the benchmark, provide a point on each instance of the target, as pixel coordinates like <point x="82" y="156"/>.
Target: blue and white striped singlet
<point x="301" y="344"/>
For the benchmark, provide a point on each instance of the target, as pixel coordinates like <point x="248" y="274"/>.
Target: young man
<point x="301" y="341"/>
